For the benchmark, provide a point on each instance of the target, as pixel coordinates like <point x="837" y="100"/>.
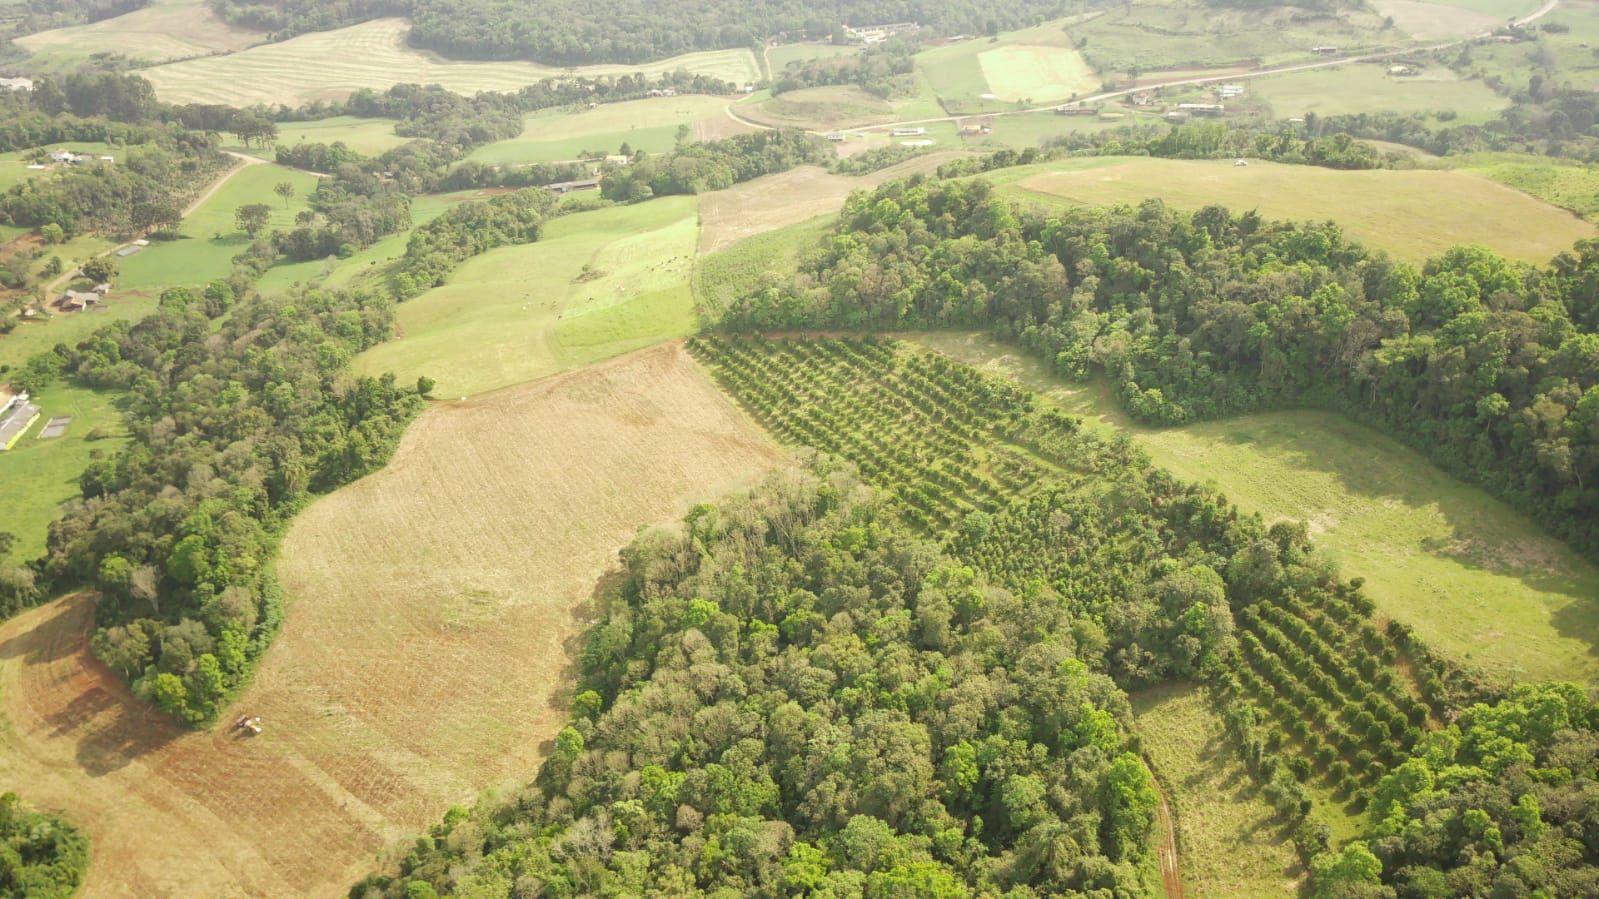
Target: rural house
<point x="16" y="414"/>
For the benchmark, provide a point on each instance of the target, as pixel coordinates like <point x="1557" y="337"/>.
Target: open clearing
<point x="777" y="201"/>
<point x="14" y="165"/>
<point x="1431" y="21"/>
<point x="328" y="65"/>
<point x="649" y="125"/>
<point x="838" y="106"/>
<point x="38" y="475"/>
<point x="1231" y="843"/>
<point x="1475" y="578"/>
<point x="211" y="237"/>
<point x="596" y="284"/>
<point x="369" y="136"/>
<point x="371" y="262"/>
<point x="165" y="30"/>
<point x="1036" y="74"/>
<point x="1412" y="214"/>
<point x="1367" y="87"/>
<point x="424" y="655"/>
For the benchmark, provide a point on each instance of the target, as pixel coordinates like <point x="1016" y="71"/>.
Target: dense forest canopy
<point x="577" y="32"/>
<point x="41" y="856"/>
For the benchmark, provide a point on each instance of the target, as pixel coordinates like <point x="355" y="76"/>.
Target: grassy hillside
<point x="1036" y="64"/>
<point x="37" y="476"/>
<point x="597" y="284"/>
<point x="329" y="64"/>
<point x="1473" y="577"/>
<point x="1230" y="841"/>
<point x="1412" y="214"/>
<point x="649" y="125"/>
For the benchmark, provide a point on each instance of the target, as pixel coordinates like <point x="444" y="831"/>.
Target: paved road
<point x="1185" y="82"/>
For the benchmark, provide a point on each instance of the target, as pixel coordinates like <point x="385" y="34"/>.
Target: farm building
<point x="1228" y="91"/>
<point x="1201" y="108"/>
<point x="16" y="84"/>
<point x="1076" y="110"/>
<point x="835" y="136"/>
<point x="562" y="187"/>
<point x="79" y="301"/>
<point x="663" y="92"/>
<point x="16" y="414"/>
<point x="916" y="143"/>
<point x="908" y="132"/>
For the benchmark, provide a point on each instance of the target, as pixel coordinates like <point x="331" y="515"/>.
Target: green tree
<point x="252" y="218"/>
<point x="284" y="189"/>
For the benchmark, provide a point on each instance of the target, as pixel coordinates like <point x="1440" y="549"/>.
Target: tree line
<point x="571" y="32"/>
<point x="41" y="856"/>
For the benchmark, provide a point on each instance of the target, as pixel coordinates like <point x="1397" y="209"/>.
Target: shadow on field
<point x="85" y="701"/>
<point x="586" y="615"/>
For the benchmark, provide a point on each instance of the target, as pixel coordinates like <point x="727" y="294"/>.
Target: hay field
<point x="1367" y="87"/>
<point x="840" y="106"/>
<point x="650" y="125"/>
<point x="432" y="610"/>
<point x="164" y="31"/>
<point x="1231" y="843"/>
<point x="597" y="284"/>
<point x="1036" y="74"/>
<point x="1475" y="578"/>
<point x="329" y="65"/>
<point x="1413" y="214"/>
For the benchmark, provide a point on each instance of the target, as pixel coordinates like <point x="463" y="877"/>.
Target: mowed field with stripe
<point x="328" y="65"/>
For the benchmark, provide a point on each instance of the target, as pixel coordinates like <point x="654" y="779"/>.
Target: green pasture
<point x="369" y="136"/>
<point x="1564" y="183"/>
<point x="724" y="276"/>
<point x="1412" y="213"/>
<point x="210" y="237"/>
<point x="37" y="476"/>
<point x="1476" y="579"/>
<point x="30" y="338"/>
<point x="597" y="284"/>
<point x="554" y="135"/>
<point x="1367" y="87"/>
<point x="1231" y="842"/>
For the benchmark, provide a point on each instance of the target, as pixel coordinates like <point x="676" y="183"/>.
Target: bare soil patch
<point x="425" y="654"/>
<point x="718" y="127"/>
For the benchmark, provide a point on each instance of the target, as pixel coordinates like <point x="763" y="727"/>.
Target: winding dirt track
<point x="425" y="652"/>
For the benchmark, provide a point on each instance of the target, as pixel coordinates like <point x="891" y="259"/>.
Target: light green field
<point x="1036" y="74"/>
<point x="163" y="31"/>
<point x="1565" y="57"/>
<point x="1413" y="214"/>
<point x="14" y="165"/>
<point x="1032" y="129"/>
<point x="1431" y="20"/>
<point x="1351" y="89"/>
<point x="596" y="285"/>
<point x="1569" y="185"/>
<point x="650" y="125"/>
<point x="1231" y="843"/>
<point x="1476" y="579"/>
<point x="37" y="476"/>
<point x="211" y="238"/>
<point x="1157" y="35"/>
<point x="368" y="136"/>
<point x="327" y="65"/>
<point x="370" y="263"/>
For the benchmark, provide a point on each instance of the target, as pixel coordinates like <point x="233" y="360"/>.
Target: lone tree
<point x="284" y="189"/>
<point x="252" y="218"/>
<point x="100" y="269"/>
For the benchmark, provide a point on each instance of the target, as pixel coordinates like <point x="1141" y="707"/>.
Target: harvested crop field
<point x="1036" y="74"/>
<point x="431" y="609"/>
<point x="327" y="65"/>
<point x="160" y="32"/>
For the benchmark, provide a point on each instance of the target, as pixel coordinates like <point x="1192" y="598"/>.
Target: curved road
<point x="1182" y="82"/>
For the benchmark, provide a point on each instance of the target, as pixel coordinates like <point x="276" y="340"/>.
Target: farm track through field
<point x="1170" y="861"/>
<point x="431" y="615"/>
